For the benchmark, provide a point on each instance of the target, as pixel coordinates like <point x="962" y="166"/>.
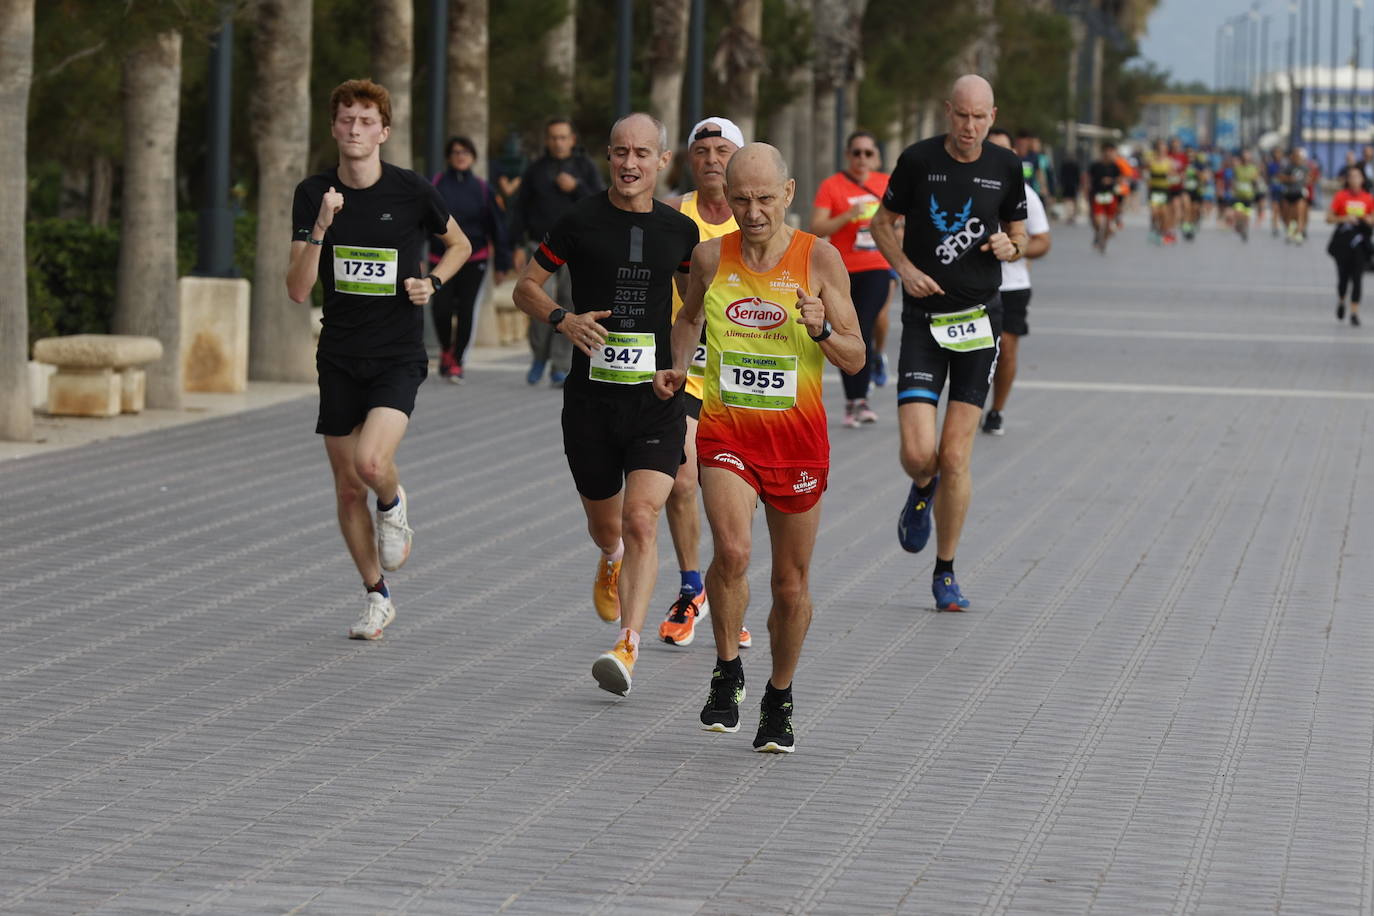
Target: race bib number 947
<point x="365" y="271"/>
<point x="624" y="359"/>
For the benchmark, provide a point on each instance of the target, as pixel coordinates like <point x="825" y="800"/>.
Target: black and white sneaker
<point x="721" y="712"/>
<point x="992" y="424"/>
<point x="775" y="723"/>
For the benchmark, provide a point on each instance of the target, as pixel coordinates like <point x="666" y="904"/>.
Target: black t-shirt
<point x="624" y="262"/>
<point x="951" y="210"/>
<point x="1103" y="177"/>
<point x="374" y="245"/>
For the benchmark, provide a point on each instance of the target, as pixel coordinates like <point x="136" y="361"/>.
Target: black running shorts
<point x="693" y="405"/>
<point x="1015" y="303"/>
<point x="351" y="386"/>
<point x="605" y="438"/>
<point x="924" y="364"/>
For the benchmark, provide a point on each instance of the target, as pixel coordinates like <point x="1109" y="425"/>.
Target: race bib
<point x="698" y="367"/>
<point x="365" y="271"/>
<point x="1354" y="208"/>
<point x="1158" y="198"/>
<point x="863" y="240"/>
<point x="963" y="331"/>
<point x="624" y="359"/>
<point x="758" y="381"/>
<point x="1105" y="197"/>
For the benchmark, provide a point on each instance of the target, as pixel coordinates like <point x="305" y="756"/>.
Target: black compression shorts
<point x="605" y="438"/>
<point x="924" y="364"/>
<point x="1015" y="303"/>
<point x="351" y="386"/>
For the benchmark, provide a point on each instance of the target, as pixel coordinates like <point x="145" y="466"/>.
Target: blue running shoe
<point x="947" y="594"/>
<point x="536" y="372"/>
<point x="877" y="373"/>
<point x="913" y="525"/>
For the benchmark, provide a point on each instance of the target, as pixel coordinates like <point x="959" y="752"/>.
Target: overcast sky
<point x="1182" y="34"/>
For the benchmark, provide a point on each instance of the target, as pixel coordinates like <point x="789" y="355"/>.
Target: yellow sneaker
<point x="612" y="669"/>
<point x="606" y="591"/>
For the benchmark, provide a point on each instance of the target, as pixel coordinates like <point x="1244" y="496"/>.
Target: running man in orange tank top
<point x="775" y="303"/>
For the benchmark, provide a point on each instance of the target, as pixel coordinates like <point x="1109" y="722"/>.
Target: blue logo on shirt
<point x="943" y="223"/>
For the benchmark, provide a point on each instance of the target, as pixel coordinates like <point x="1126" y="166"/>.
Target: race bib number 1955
<point x="758" y="381"/>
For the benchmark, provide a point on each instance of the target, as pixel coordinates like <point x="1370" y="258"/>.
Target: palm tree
<point x="16" y="75"/>
<point x="667" y="52"/>
<point x="393" y="59"/>
<point x="468" y="108"/>
<point x="146" y="289"/>
<point x="279" y="329"/>
<point x="738" y="62"/>
<point x="560" y="54"/>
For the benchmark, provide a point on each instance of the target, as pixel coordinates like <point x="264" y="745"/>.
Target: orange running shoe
<point x="745" y="640"/>
<point x="606" y="590"/>
<point x="612" y="669"/>
<point x="681" y="626"/>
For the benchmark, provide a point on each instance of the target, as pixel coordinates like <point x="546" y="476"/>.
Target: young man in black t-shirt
<point x="361" y="229"/>
<point x="964" y="203"/>
<point x="623" y="424"/>
<point x="1103" y="177"/>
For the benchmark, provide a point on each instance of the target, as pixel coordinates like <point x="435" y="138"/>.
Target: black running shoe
<point x="1340" y="311"/>
<point x="721" y="712"/>
<point x="775" y="724"/>
<point x="992" y="423"/>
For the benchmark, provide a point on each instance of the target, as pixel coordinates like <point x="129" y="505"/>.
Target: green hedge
<point x="72" y="266"/>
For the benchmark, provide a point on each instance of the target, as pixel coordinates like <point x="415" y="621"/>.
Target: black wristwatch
<point x="825" y="333"/>
<point x="556" y="316"/>
<point x="438" y="284"/>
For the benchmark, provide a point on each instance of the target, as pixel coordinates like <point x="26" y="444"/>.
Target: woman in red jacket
<point x="1352" y="210"/>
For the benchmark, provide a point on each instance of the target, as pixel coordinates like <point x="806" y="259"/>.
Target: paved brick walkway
<point x="1162" y="700"/>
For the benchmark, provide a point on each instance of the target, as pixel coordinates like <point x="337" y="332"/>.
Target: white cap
<point x="721" y="127"/>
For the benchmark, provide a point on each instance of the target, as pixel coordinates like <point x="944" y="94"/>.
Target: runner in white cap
<point x="710" y="144"/>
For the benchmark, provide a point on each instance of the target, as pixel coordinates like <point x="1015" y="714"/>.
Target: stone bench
<point x="97" y="374"/>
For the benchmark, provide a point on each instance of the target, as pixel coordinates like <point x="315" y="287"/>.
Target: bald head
<point x="638" y="126"/>
<point x="971" y="90"/>
<point x="757" y="163"/>
<point x="970" y="112"/>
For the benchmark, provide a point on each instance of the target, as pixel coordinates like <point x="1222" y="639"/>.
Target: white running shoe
<point x="393" y="533"/>
<point x="374" y="618"/>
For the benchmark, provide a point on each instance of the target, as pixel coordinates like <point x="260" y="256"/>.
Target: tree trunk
<point x="16" y="76"/>
<point x="831" y="30"/>
<point x="467" y="75"/>
<point x="560" y="57"/>
<point x="739" y="61"/>
<point x="279" y="337"/>
<point x="102" y="189"/>
<point x="668" y="52"/>
<point x="146" y="288"/>
<point x="393" y="60"/>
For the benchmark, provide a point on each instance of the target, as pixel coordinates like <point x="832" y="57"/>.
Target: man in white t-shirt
<point x="1015" y="293"/>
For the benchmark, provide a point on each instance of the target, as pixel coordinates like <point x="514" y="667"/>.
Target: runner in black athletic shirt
<point x="362" y="228"/>
<point x="623" y="426"/>
<point x="964" y="201"/>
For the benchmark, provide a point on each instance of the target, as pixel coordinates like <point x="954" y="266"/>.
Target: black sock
<point x="395" y="501"/>
<point x="733" y="669"/>
<point x="380" y="587"/>
<point x="928" y="489"/>
<point x="944" y="566"/>
<point x="774" y="693"/>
